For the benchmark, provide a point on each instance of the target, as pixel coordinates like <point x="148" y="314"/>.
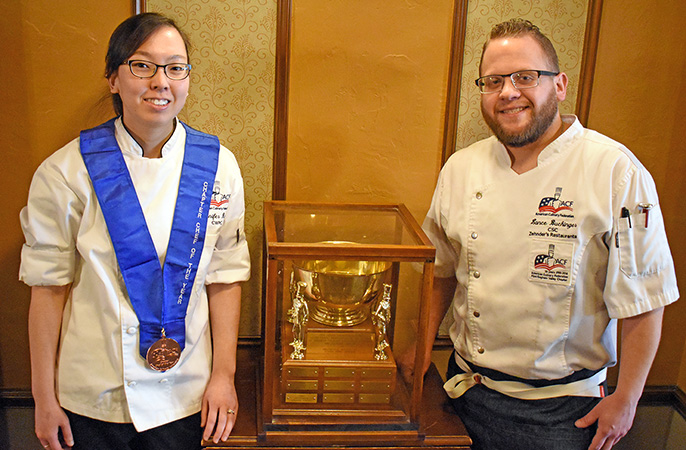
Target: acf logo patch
<point x="550" y="263"/>
<point x="554" y="204"/>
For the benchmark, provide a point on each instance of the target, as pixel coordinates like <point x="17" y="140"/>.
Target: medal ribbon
<point x="159" y="297"/>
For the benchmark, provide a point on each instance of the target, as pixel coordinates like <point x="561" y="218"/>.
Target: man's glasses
<point x="523" y="79"/>
<point x="147" y="69"/>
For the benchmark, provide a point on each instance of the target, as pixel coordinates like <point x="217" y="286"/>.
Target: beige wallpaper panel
<point x="563" y="21"/>
<point x="232" y="96"/>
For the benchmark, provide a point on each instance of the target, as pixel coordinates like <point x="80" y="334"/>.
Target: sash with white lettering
<point x="159" y="295"/>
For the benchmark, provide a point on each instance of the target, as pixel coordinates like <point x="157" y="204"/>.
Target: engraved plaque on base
<point x="339" y="367"/>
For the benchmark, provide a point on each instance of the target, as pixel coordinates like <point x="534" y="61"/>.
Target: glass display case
<point x="346" y="296"/>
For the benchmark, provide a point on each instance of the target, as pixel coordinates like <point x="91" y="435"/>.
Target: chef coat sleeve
<point x="50" y="222"/>
<point x="230" y="260"/>
<point x="640" y="273"/>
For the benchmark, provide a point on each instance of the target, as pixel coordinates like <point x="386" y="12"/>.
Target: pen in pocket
<point x="626" y="214"/>
<point x="645" y="209"/>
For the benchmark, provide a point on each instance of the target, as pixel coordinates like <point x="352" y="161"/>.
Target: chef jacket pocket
<point x="640" y="248"/>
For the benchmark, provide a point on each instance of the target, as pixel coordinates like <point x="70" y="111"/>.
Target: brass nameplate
<point x="302" y="385"/>
<point x="340" y="346"/>
<point x="303" y="372"/>
<point x="339" y="372"/>
<point x="346" y="386"/>
<point x="377" y="373"/>
<point x="300" y="398"/>
<point x="339" y="398"/>
<point x="375" y="386"/>
<point x="375" y="398"/>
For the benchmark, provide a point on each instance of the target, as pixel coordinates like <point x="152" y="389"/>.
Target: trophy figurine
<point x="298" y="316"/>
<point x="381" y="317"/>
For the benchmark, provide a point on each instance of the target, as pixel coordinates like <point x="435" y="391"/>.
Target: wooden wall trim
<point x="283" y="45"/>
<point x="588" y="60"/>
<point x="452" y="103"/>
<point x="668" y="395"/>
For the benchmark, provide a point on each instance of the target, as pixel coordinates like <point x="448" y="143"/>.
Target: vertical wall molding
<point x="588" y="59"/>
<point x="283" y="46"/>
<point x="454" y="79"/>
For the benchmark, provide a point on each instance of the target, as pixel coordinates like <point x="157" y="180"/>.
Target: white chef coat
<point x="100" y="371"/>
<point x="544" y="261"/>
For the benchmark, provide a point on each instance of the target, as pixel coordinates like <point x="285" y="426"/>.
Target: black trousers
<point x="496" y="421"/>
<point x="90" y="434"/>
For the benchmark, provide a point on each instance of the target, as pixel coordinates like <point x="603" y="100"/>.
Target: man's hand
<point x="406" y="360"/>
<point x="614" y="415"/>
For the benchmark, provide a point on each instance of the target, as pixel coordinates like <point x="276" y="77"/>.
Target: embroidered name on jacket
<point x="553" y="234"/>
<point x="554" y="218"/>
<point x="218" y="205"/>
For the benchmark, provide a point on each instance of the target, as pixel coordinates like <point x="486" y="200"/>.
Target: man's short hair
<point x="519" y="28"/>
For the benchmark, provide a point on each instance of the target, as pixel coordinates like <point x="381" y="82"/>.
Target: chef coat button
<point x="164" y="381"/>
<point x="475" y="235"/>
<point x="131" y="330"/>
<point x="479" y="195"/>
<point x="477" y="274"/>
<point x="480" y="350"/>
<point x="131" y="384"/>
<point x="477" y="314"/>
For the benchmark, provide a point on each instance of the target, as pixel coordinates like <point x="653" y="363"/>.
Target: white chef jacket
<point x="100" y="371"/>
<point x="545" y="262"/>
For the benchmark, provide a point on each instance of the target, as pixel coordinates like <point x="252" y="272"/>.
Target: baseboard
<point x="672" y="396"/>
<point x="15" y="398"/>
<point x="22" y="398"/>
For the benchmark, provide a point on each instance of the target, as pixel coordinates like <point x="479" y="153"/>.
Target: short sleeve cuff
<point x="43" y="267"/>
<point x="230" y="265"/>
<point x="644" y="302"/>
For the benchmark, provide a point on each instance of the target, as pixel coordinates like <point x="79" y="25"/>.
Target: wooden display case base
<point x="440" y="428"/>
<point x="338" y="372"/>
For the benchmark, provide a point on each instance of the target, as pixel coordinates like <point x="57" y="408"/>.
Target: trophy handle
<point x="381" y="318"/>
<point x="298" y="315"/>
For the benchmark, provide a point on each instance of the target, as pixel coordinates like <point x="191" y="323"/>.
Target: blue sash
<point x="158" y="296"/>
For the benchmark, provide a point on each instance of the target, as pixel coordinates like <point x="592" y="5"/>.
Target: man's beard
<point x="540" y="122"/>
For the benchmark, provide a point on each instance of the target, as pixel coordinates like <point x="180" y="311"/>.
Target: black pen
<point x="627" y="214"/>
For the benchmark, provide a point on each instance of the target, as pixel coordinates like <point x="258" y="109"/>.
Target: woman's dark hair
<point x="128" y="37"/>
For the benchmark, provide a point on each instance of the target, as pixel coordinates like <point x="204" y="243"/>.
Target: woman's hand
<point x="50" y="419"/>
<point x="219" y="409"/>
<point x="45" y="319"/>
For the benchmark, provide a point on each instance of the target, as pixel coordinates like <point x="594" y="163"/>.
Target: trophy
<point x="349" y="303"/>
<point x="343" y="299"/>
<point x="339" y="292"/>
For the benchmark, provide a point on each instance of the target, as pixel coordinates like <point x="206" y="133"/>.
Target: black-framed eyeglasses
<point x="147" y="69"/>
<point x="522" y="79"/>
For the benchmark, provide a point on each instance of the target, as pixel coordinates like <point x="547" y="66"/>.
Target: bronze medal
<point x="163" y="354"/>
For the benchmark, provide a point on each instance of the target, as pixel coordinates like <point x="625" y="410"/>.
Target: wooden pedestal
<point x="440" y="427"/>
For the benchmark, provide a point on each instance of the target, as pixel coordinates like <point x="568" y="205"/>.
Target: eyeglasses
<point x="524" y="79"/>
<point x="147" y="69"/>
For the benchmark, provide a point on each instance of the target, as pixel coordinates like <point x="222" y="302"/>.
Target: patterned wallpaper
<point x="232" y="96"/>
<point x="563" y="21"/>
<point x="232" y="86"/>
